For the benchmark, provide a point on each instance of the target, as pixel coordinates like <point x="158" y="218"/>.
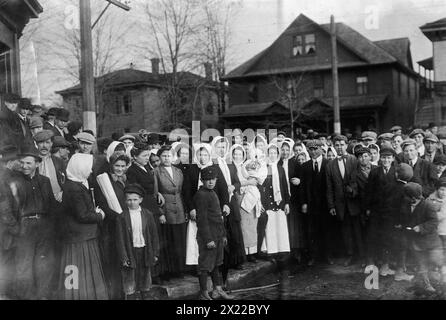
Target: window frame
<point x="303" y="45"/>
<point x="362" y="87"/>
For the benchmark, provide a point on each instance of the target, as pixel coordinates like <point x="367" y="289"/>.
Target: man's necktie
<point x="316" y="169"/>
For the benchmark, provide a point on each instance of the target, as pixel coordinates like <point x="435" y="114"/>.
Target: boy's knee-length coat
<point x="124" y="238"/>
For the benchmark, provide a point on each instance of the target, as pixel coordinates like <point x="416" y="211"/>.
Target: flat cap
<point x="208" y="173"/>
<point x="313" y="144"/>
<point x="413" y="190"/>
<point x="43" y="135"/>
<point x="86" y="137"/>
<point x="60" y="142"/>
<point x="408" y="142"/>
<point x="163" y="149"/>
<point x="36" y="108"/>
<point x="35" y="122"/>
<point x="386" y="151"/>
<point x="127" y="137"/>
<point x="63" y="115"/>
<point x="386" y="136"/>
<point x="396" y="128"/>
<point x="430" y="137"/>
<point x="359" y="151"/>
<point x="368" y="135"/>
<point x="135" y="188"/>
<point x="440" y="160"/>
<point x="24" y="103"/>
<point x="417" y="131"/>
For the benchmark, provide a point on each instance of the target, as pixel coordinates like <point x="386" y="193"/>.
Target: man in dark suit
<point x="50" y="119"/>
<point x="62" y="118"/>
<point x="316" y="219"/>
<point x="342" y="197"/>
<point x="423" y="170"/>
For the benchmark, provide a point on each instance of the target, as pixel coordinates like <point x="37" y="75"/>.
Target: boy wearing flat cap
<point x="137" y="244"/>
<point x="422" y="222"/>
<point x="431" y="146"/>
<point x="211" y="236"/>
<point x="440" y="166"/>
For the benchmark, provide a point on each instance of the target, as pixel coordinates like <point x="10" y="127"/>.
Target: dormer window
<point x="304" y="45"/>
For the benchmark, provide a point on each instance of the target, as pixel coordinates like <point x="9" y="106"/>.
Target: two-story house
<point x="378" y="87"/>
<point x="14" y="15"/>
<point x="129" y="100"/>
<point x="432" y="108"/>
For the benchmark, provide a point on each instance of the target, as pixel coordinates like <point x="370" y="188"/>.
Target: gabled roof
<point x="255" y="109"/>
<point x="133" y="77"/>
<point x="441" y="23"/>
<point x="398" y="48"/>
<point x="371" y="53"/>
<point x="427" y="63"/>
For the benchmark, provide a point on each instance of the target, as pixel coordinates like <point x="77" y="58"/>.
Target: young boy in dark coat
<point x="211" y="236"/>
<point x="422" y="221"/>
<point x="137" y="243"/>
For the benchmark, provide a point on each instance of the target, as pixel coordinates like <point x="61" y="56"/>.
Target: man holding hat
<point x="86" y="141"/>
<point x="34" y="256"/>
<point x="431" y="144"/>
<point x="342" y="197"/>
<point x="51" y="167"/>
<point x="423" y="170"/>
<point x="368" y="137"/>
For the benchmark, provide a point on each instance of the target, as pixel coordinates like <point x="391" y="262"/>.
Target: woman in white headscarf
<point x="181" y="156"/>
<point x="80" y="248"/>
<point x="250" y="201"/>
<point x="235" y="255"/>
<point x="275" y="201"/>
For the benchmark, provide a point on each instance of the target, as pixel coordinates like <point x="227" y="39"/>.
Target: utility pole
<point x="334" y="68"/>
<point x="87" y="66"/>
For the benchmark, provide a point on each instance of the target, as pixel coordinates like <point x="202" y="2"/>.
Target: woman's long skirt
<point x="295" y="227"/>
<point x="276" y="233"/>
<point x="248" y="223"/>
<point x="235" y="253"/>
<point x="172" y="249"/>
<point x="82" y="276"/>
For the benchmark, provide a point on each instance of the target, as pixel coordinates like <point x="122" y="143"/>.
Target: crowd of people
<point x="129" y="211"/>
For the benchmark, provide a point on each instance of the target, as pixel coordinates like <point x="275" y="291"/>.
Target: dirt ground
<point x="336" y="282"/>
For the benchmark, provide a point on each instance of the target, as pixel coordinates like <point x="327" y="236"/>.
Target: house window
<point x="123" y="103"/>
<point x="210" y="108"/>
<point x="304" y="45"/>
<point x="5" y="72"/>
<point x="253" y="93"/>
<point x="318" y="85"/>
<point x="362" y="83"/>
<point x="443" y="113"/>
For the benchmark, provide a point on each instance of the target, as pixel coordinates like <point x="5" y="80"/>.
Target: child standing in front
<point x="211" y="236"/>
<point x="137" y="243"/>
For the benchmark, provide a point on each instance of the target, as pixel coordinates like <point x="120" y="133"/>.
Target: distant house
<point x="432" y="107"/>
<point x="129" y="100"/>
<point x="14" y="15"/>
<point x="378" y="86"/>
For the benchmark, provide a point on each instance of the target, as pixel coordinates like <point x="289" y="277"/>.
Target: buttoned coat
<point x="171" y="189"/>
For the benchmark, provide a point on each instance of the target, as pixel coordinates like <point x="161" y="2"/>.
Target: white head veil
<point x="80" y="167"/>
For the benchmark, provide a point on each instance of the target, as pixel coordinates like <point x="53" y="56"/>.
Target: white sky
<point x="258" y="23"/>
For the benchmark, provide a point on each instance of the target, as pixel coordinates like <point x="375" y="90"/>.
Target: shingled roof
<point x="133" y="77"/>
<point x="441" y="23"/>
<point x="372" y="53"/>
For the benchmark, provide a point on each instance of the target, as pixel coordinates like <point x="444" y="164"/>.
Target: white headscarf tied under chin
<point x="275" y="174"/>
<point x="79" y="168"/>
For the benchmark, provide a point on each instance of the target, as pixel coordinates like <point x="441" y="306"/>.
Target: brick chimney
<point x="155" y="66"/>
<point x="208" y="71"/>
